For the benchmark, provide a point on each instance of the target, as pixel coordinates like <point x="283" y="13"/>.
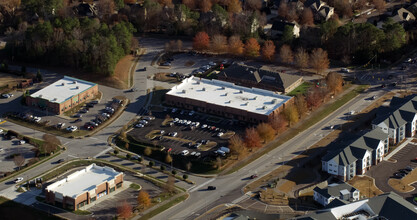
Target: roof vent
<point x="230" y="101"/>
<point x="183" y="91"/>
<point x="225" y="94"/>
<point x="54" y="99"/>
<point x="247" y="103"/>
<point x="204" y="89"/>
<point x="240" y="91"/>
<point x="62" y="84"/>
<point x="77" y="87"/>
<point x="274" y="101"/>
<point x="264" y="107"/>
<point x="254" y="98"/>
<point x="75" y="82"/>
<point x="40" y="96"/>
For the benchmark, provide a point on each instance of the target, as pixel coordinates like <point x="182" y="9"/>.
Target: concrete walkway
<point x="407" y="141"/>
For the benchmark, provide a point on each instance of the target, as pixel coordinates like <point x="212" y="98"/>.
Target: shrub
<point x="116" y="152"/>
<point x="23" y="70"/>
<point x="174" y="172"/>
<point x="140" y="159"/>
<point x="151" y="163"/>
<point x="163" y="167"/>
<point x="185" y="176"/>
<point x="128" y="156"/>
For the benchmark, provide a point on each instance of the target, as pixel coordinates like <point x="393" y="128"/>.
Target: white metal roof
<point x="228" y="94"/>
<point x="83" y="181"/>
<point x="63" y="89"/>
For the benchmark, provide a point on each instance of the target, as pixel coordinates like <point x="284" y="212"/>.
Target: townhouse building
<point x="342" y="191"/>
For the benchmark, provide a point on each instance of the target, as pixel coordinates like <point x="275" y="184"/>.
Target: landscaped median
<point x="404" y="185"/>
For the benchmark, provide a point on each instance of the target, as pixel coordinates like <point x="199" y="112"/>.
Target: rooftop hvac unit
<point x="75" y="82"/>
<point x="225" y="94"/>
<point x="40" y="96"/>
<point x="247" y="103"/>
<point x="240" y="91"/>
<point x="183" y="91"/>
<point x="77" y="87"/>
<point x="223" y="87"/>
<point x="54" y="99"/>
<point x="204" y="89"/>
<point x="274" y="101"/>
<point x="264" y="107"/>
<point x="254" y="98"/>
<point x="230" y="101"/>
<point x="198" y="82"/>
<point x="62" y="84"/>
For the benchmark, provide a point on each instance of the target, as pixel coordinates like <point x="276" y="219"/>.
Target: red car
<point x="253" y="176"/>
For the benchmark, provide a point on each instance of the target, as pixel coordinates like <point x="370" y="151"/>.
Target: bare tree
<point x="147" y="151"/>
<point x="234" y="6"/>
<point x="170" y="184"/>
<point x="307" y="18"/>
<point x="253" y="5"/>
<point x="252" y="139"/>
<point x="319" y="60"/>
<point x="285" y="54"/>
<point x="236" y="46"/>
<point x="380" y="5"/>
<point x="283" y="10"/>
<point x="291" y="113"/>
<point x="188" y="166"/>
<point x="205" y="5"/>
<point x="279" y="123"/>
<point x="236" y="145"/>
<point x="334" y="82"/>
<point x="301" y="104"/>
<point x="268" y="50"/>
<point x="301" y="58"/>
<point x="105" y="8"/>
<point x="189" y="3"/>
<point x="179" y="45"/>
<point x="265" y="131"/>
<point x="19" y="160"/>
<point x="124" y="210"/>
<point x="219" y="43"/>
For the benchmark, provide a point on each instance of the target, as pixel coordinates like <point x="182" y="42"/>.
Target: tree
<point x="189" y="3"/>
<point x="188" y="166"/>
<point x="174" y="172"/>
<point x="179" y="45"/>
<point x="253" y="5"/>
<point x="162" y="167"/>
<point x="252" y="139"/>
<point x="170" y="184"/>
<point x="395" y="35"/>
<point x="119" y="4"/>
<point x="128" y="156"/>
<point x="166" y="3"/>
<point x="380" y="5"/>
<point x="285" y="54"/>
<point x="301" y="104"/>
<point x="124" y="210"/>
<point x="205" y="5"/>
<point x="307" y="18"/>
<point x="236" y="47"/>
<point x="279" y="123"/>
<point x="39" y="76"/>
<point x="319" y="60"/>
<point x="314" y="98"/>
<point x="127" y="145"/>
<point x="168" y="159"/>
<point x="19" y="160"/>
<point x="50" y="143"/>
<point x="252" y="48"/>
<point x="302" y="58"/>
<point x="268" y="50"/>
<point x="334" y="82"/>
<point x="291" y="114"/>
<point x="151" y="163"/>
<point x="288" y="34"/>
<point x="218" y="163"/>
<point x="283" y="10"/>
<point x="143" y="199"/>
<point x="234" y="6"/>
<point x="106" y="8"/>
<point x="201" y="41"/>
<point x="147" y="151"/>
<point x="219" y="43"/>
<point x="116" y="152"/>
<point x="265" y="131"/>
<point x="185" y="176"/>
<point x="236" y="145"/>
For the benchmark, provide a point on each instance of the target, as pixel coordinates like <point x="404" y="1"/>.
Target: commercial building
<point x="84" y="187"/>
<point x="262" y="78"/>
<point x="384" y="206"/>
<point x="63" y="95"/>
<point x="226" y="99"/>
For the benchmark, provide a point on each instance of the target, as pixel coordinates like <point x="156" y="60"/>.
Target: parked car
<point x="173" y="134"/>
<point x="18" y="180"/>
<point x="345" y="70"/>
<point x="185" y="152"/>
<point x="84" y="110"/>
<point x="139" y="125"/>
<point x="211" y="188"/>
<point x="37" y="119"/>
<point x="61" y="161"/>
<point x="78" y="115"/>
<point x="220" y="134"/>
<point x="22" y="142"/>
<point x="60" y="125"/>
<point x="72" y="128"/>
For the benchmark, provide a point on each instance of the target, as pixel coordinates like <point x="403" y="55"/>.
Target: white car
<point x="6" y="96"/>
<point x="185" y="152"/>
<point x="220" y="134"/>
<point x="1" y="131"/>
<point x="212" y="64"/>
<point x="72" y="128"/>
<point x="22" y="142"/>
<point x="193" y="153"/>
<point x="37" y="119"/>
<point x="352" y="112"/>
<point x="173" y="134"/>
<point x="345" y="70"/>
<point x="139" y="125"/>
<point x="176" y="119"/>
<point x="1" y="149"/>
<point x="18" y="180"/>
<point x="197" y="154"/>
<point x="203" y="126"/>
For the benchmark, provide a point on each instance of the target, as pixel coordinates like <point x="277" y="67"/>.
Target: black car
<point x="394" y="84"/>
<point x="383" y="86"/>
<point x="403" y="68"/>
<point x="390" y="77"/>
<point x="211" y="188"/>
<point x="61" y="161"/>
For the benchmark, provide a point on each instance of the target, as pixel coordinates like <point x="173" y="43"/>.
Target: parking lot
<point x="10" y="147"/>
<point x="386" y="170"/>
<point x="107" y="208"/>
<point x="210" y="134"/>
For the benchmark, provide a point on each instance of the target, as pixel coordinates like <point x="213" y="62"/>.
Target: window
<point x="93" y="199"/>
<point x="112" y="189"/>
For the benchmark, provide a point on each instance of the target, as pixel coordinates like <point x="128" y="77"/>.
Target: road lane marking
<point x="198" y="187"/>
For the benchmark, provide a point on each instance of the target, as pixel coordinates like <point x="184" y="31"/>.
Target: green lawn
<point x="318" y="116"/>
<point x="12" y="210"/>
<point x="301" y="89"/>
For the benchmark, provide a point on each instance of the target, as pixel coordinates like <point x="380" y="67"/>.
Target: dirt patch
<point x="207" y="147"/>
<point x="189" y="63"/>
<point x="273" y="197"/>
<point x="165" y="77"/>
<point x="403" y="185"/>
<point x="365" y="185"/>
<point x="151" y="135"/>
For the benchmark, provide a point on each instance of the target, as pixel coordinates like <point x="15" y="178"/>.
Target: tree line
<point x="80" y="43"/>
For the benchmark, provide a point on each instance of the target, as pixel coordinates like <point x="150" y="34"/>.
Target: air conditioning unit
<point x="77" y="87"/>
<point x="62" y="84"/>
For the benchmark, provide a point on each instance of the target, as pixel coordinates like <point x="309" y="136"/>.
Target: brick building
<point x="63" y="95"/>
<point x="84" y="187"/>
<point x="227" y="100"/>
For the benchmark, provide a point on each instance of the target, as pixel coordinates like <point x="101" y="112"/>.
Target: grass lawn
<point x="135" y="186"/>
<point x="158" y="95"/>
<point x="81" y="212"/>
<point x="365" y="185"/>
<point x="403" y="185"/>
<point x="164" y="207"/>
<point x="301" y="89"/>
<point x="12" y="210"/>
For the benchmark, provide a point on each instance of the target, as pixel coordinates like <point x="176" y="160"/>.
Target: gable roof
<point x="334" y="189"/>
<point x="393" y="120"/>
<point x="261" y="76"/>
<point x="342" y="157"/>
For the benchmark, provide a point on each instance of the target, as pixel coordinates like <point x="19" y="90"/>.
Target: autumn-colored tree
<point x="234" y="6"/>
<point x="319" y="60"/>
<point x="283" y="9"/>
<point x="50" y="144"/>
<point x="106" y="8"/>
<point x="201" y="41"/>
<point x="291" y="113"/>
<point x="252" y="48"/>
<point x="179" y="45"/>
<point x="265" y="131"/>
<point x="285" y="54"/>
<point x="268" y="50"/>
<point x="147" y="151"/>
<point x="301" y="104"/>
<point x="168" y="159"/>
<point x="334" y="82"/>
<point x="144" y="200"/>
<point x="219" y="163"/>
<point x="307" y="17"/>
<point x="167" y="3"/>
<point x="19" y="160"/>
<point x="219" y="43"/>
<point x="302" y="58"/>
<point x="205" y="5"/>
<point x="380" y="5"/>
<point x="124" y="210"/>
<point x="236" y="46"/>
<point x="279" y="123"/>
<point x="253" y="5"/>
<point x="188" y="166"/>
<point x="252" y="139"/>
<point x="236" y="145"/>
<point x="314" y="98"/>
<point x="189" y="3"/>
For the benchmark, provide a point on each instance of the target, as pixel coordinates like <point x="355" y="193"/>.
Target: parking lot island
<point x="63" y="95"/>
<point x="227" y="99"/>
<point x="84" y="187"/>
